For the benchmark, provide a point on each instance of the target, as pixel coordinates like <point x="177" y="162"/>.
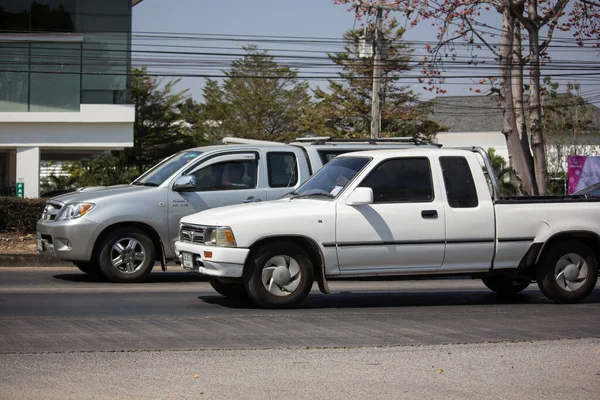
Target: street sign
<point x="20" y="190"/>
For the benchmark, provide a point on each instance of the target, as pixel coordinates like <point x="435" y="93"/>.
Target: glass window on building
<point x="38" y="15"/>
<point x="14" y="76"/>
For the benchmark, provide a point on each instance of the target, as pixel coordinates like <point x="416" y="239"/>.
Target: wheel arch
<point x="147" y="229"/>
<point x="538" y="251"/>
<point x="312" y="249"/>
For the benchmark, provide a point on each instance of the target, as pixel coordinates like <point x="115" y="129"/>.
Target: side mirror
<point x="184" y="183"/>
<point x="360" y="196"/>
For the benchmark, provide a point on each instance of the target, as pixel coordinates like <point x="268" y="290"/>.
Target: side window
<point x="458" y="180"/>
<point x="328" y="155"/>
<point x="283" y="169"/>
<point x="401" y="180"/>
<point x="227" y="175"/>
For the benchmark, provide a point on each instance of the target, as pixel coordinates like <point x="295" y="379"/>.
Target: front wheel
<point x="505" y="285"/>
<point x="127" y="256"/>
<point x="279" y="275"/>
<point x="568" y="273"/>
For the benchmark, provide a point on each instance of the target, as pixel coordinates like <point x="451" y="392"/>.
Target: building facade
<point x="64" y="86"/>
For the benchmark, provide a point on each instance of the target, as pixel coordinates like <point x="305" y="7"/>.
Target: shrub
<point x="20" y="215"/>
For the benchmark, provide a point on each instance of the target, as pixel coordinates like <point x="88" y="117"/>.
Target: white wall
<point x="28" y="169"/>
<point x="486" y="140"/>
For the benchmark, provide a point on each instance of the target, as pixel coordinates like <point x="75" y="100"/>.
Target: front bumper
<point x="226" y="262"/>
<point x="71" y="240"/>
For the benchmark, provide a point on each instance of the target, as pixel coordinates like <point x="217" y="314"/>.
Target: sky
<point x="198" y="24"/>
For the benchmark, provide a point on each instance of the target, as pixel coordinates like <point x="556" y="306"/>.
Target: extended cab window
<point x="458" y="180"/>
<point x="401" y="180"/>
<point x="282" y="169"/>
<point x="227" y="175"/>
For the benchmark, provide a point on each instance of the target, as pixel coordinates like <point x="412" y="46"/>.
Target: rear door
<point x="283" y="173"/>
<point x="470" y="225"/>
<point x="227" y="179"/>
<point x="403" y="229"/>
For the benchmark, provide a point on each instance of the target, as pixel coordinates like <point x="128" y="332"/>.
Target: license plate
<point x="188" y="260"/>
<point x="40" y="245"/>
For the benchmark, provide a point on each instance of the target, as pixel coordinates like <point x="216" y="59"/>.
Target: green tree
<point x="258" y="99"/>
<point x="344" y="110"/>
<point x="159" y="128"/>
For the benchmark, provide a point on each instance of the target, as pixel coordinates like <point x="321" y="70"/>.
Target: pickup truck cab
<point x="396" y="212"/>
<point x="121" y="231"/>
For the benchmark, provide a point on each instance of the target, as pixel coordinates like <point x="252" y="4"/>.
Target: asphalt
<point x="66" y="336"/>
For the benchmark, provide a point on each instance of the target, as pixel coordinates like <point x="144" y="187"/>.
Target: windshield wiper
<point x="299" y="196"/>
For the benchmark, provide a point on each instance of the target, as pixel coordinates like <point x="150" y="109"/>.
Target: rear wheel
<point x="505" y="285"/>
<point x="279" y="275"/>
<point x="127" y="256"/>
<point x="233" y="290"/>
<point x="568" y="273"/>
<point x="89" y="267"/>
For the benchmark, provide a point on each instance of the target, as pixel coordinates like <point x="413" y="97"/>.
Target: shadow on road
<point x="345" y="300"/>
<point x="160" y="277"/>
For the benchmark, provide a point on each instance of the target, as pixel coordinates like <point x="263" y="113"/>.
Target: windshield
<point x="332" y="178"/>
<point x="163" y="170"/>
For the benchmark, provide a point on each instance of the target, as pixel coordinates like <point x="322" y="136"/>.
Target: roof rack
<point x="237" y="140"/>
<point x="328" y="139"/>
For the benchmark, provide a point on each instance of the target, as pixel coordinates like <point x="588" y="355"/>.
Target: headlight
<point x="221" y="236"/>
<point x="76" y="210"/>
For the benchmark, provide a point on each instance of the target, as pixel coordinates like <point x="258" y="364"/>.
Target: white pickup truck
<point x="396" y="212"/>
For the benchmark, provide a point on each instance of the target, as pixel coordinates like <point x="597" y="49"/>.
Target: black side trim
<point x="466" y="241"/>
<point x="413" y="242"/>
<point x="517" y="239"/>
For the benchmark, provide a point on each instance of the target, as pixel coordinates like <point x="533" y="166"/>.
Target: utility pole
<point x="377" y="59"/>
<point x="375" y="96"/>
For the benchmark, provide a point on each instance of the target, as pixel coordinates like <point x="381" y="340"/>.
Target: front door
<point x="221" y="181"/>
<point x="403" y="229"/>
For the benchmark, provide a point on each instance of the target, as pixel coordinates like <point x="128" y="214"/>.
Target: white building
<point x="64" y="86"/>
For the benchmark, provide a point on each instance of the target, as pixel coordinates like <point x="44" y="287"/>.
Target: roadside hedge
<point x="20" y="215"/>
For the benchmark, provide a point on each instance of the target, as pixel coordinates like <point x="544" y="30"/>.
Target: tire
<point x="568" y="273"/>
<point x="505" y="285"/>
<point x="278" y="275"/>
<point x="232" y="290"/>
<point x="89" y="267"/>
<point x="127" y="255"/>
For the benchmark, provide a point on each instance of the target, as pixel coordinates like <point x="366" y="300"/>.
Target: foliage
<point x="105" y="170"/>
<point x="258" y="99"/>
<point x="159" y="129"/>
<point x="20" y="215"/>
<point x="345" y="108"/>
<point x="503" y="173"/>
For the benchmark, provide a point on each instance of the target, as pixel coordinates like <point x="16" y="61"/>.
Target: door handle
<point x="252" y="199"/>
<point x="429" y="214"/>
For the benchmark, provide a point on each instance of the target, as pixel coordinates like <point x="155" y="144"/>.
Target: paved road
<point x="64" y="336"/>
<point x="59" y="309"/>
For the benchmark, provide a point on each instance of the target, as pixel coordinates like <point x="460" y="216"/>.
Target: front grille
<point x="51" y="211"/>
<point x="191" y="234"/>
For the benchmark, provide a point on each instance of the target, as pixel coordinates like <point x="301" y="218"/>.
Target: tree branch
<point x="548" y="39"/>
<point x="482" y="39"/>
<point x="556" y="10"/>
<point x="591" y="3"/>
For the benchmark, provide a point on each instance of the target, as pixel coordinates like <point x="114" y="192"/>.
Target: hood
<point x="258" y="212"/>
<point x="96" y="193"/>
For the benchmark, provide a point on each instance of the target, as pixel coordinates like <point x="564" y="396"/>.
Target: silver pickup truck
<point x="120" y="232"/>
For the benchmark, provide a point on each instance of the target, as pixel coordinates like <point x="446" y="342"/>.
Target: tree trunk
<point x="524" y="173"/>
<point x="517" y="92"/>
<point x="535" y="106"/>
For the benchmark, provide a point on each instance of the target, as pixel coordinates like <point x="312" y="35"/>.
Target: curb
<point x="30" y="260"/>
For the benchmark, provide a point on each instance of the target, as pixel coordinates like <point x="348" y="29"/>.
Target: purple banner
<point x="583" y="171"/>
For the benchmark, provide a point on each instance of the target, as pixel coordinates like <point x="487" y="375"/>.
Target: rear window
<point x="283" y="169"/>
<point x="460" y="188"/>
